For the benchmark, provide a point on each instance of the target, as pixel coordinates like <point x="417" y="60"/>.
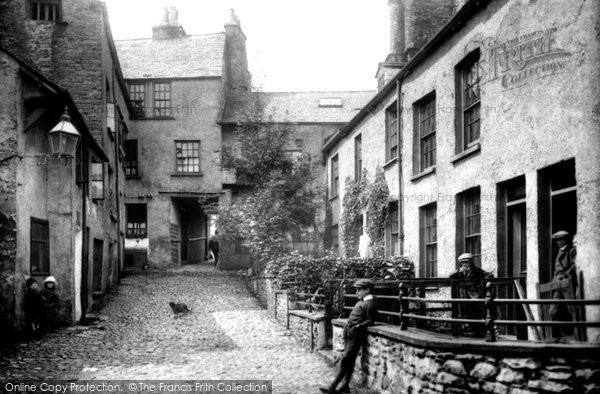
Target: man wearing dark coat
<point x="468" y="270"/>
<point x="355" y="335"/>
<point x="565" y="275"/>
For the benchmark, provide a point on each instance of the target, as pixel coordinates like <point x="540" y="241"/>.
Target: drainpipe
<point x="400" y="173"/>
<point x="117" y="191"/>
<point x="84" y="259"/>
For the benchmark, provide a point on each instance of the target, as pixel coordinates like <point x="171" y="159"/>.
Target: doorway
<point x="512" y="248"/>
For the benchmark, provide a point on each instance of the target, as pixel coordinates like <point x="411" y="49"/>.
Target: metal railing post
<point x="328" y="298"/>
<point x="403" y="306"/>
<point x="342" y="291"/>
<point x="455" y="308"/>
<point x="490" y="313"/>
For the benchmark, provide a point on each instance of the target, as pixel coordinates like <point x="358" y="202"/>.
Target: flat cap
<point x="363" y="284"/>
<point x="560" y="234"/>
<point x="465" y="256"/>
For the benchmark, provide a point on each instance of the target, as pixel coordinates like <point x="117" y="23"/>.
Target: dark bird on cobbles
<point x="179" y="308"/>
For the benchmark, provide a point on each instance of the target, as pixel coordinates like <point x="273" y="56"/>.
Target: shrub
<point x="310" y="272"/>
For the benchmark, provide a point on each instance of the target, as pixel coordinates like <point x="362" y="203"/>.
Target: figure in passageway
<point x="213" y="245"/>
<point x="51" y="302"/>
<point x="355" y="335"/>
<point x="34" y="306"/>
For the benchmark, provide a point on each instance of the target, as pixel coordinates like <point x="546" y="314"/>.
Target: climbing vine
<point x="355" y="199"/>
<point x="377" y="212"/>
<point x="328" y="226"/>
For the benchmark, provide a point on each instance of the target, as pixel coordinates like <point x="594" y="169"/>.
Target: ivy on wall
<point x="377" y="212"/>
<point x="328" y="226"/>
<point x="355" y="199"/>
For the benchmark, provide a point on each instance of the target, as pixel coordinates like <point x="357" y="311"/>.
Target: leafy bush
<point x="377" y="212"/>
<point x="355" y="199"/>
<point x="311" y="272"/>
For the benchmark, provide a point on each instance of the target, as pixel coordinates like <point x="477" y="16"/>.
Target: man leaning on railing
<point x="355" y="335"/>
<point x="468" y="270"/>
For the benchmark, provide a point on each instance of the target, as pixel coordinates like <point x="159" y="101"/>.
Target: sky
<point x="292" y="45"/>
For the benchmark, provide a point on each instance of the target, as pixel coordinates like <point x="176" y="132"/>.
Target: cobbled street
<point x="228" y="335"/>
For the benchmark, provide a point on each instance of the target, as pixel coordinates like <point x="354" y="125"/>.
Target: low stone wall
<point x="282" y="306"/>
<point x="271" y="297"/>
<point x="309" y="328"/>
<point x="397" y="361"/>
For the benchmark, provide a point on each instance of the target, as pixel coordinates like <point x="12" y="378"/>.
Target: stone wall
<point x="282" y="306"/>
<point x="8" y="185"/>
<point x="312" y="329"/>
<point x="8" y="248"/>
<point x="309" y="328"/>
<point x="400" y="362"/>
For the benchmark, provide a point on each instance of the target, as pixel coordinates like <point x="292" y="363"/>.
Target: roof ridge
<point x="320" y="91"/>
<point x="187" y="35"/>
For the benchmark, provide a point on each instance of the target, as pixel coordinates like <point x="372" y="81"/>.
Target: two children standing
<point x="41" y="306"/>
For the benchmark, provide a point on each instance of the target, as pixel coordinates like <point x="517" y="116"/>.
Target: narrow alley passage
<point x="228" y="335"/>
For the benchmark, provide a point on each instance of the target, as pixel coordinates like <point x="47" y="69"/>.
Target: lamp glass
<point x="64" y="137"/>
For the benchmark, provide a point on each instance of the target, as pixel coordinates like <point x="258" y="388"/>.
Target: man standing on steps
<point x="355" y="335"/>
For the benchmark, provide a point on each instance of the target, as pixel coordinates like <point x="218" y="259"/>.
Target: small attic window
<point x="46" y="10"/>
<point x="330" y="102"/>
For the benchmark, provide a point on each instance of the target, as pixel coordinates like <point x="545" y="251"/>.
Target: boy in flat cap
<point x="355" y="334"/>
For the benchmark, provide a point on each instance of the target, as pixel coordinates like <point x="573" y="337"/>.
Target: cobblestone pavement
<point x="228" y="335"/>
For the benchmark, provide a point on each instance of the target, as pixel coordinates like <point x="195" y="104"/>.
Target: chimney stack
<point x="397" y="46"/>
<point x="169" y="27"/>
<point x="235" y="52"/>
<point x="395" y="60"/>
<point x="173" y="16"/>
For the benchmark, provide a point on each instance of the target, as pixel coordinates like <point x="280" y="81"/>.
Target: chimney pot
<point x="169" y="28"/>
<point x="173" y="16"/>
<point x="165" y="16"/>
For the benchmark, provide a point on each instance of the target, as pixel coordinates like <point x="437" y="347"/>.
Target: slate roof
<point x="190" y="56"/>
<point x="299" y="107"/>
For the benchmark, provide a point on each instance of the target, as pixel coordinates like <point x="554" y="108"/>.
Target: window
<point x="46" y="10"/>
<point x="391" y="132"/>
<point x="136" y="221"/>
<point x="357" y="157"/>
<point x="131" y="158"/>
<point x="424" y="118"/>
<point x="137" y="95"/>
<point x="40" y="247"/>
<point x="97" y="180"/>
<point x="82" y="170"/>
<point x="335" y="238"/>
<point x="187" y="157"/>
<point x="110" y="119"/>
<point x="162" y="99"/>
<point x="335" y="176"/>
<point x="468" y="102"/>
<point x="428" y="238"/>
<point x="330" y="102"/>
<point x="469" y="224"/>
<point x="394" y="230"/>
